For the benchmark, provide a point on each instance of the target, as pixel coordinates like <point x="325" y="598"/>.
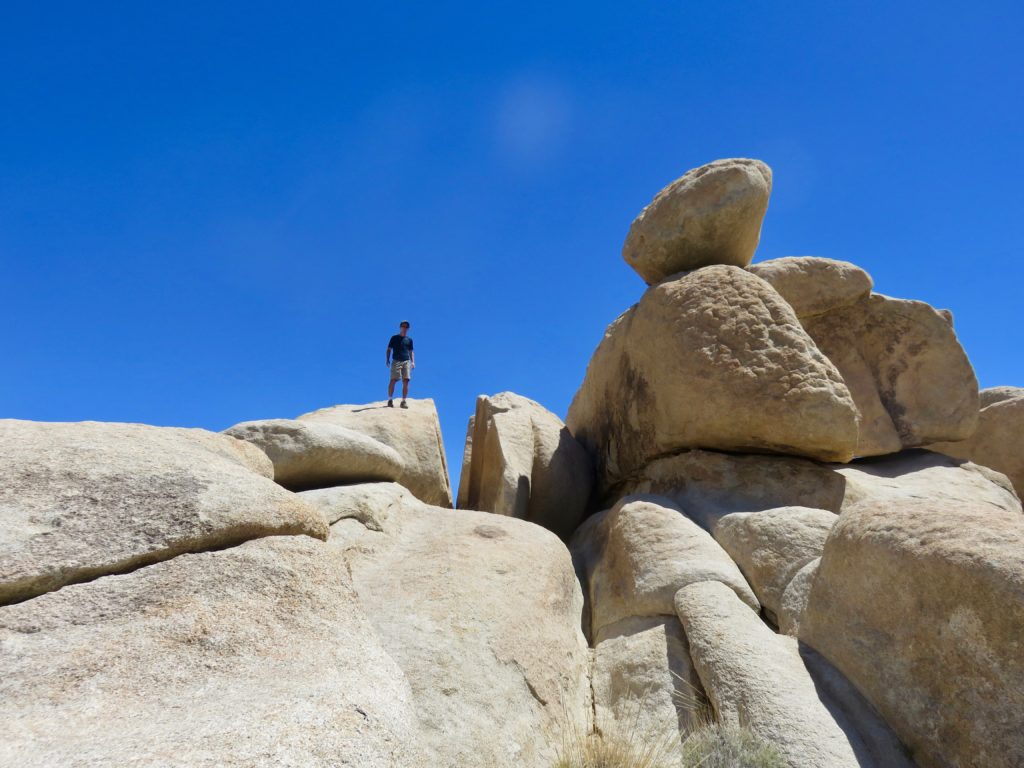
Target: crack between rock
<point x="46" y="584"/>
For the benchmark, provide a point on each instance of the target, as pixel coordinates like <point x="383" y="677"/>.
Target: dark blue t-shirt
<point x="401" y="348"/>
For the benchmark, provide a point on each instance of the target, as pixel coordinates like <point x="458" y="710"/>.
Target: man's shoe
<point x="391" y="403"/>
<point x="405" y="404"/>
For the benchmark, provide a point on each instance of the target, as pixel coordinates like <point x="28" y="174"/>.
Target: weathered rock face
<point x="907" y="372"/>
<point x="482" y="614"/>
<point x="709" y="485"/>
<point x="316" y="455"/>
<point x="370" y="504"/>
<point x="812" y="285"/>
<point x="645" y="687"/>
<point x="521" y="461"/>
<point x="85" y="499"/>
<point x="258" y="655"/>
<point x="416" y="435"/>
<point x="712" y="359"/>
<point x="638" y="554"/>
<point x="919" y="601"/>
<point x="770" y="547"/>
<point x="794" y="598"/>
<point x="711" y="215"/>
<point x="757" y="678"/>
<point x="998" y="442"/>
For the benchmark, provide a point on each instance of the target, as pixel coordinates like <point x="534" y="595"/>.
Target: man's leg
<point x="405" y="389"/>
<point x="391" y="389"/>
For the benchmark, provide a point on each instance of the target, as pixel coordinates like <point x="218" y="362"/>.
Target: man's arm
<point x="387" y="355"/>
<point x="412" y="358"/>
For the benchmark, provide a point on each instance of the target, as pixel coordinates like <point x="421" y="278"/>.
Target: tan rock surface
<point x="317" y="455"/>
<point x="482" y="613"/>
<point x="708" y="484"/>
<point x="998" y="442"/>
<point x="812" y="285"/>
<point x="80" y="500"/>
<point x="770" y="547"/>
<point x="368" y="503"/>
<point x="907" y="372"/>
<point x="257" y="655"/>
<point x="521" y="461"/>
<point x="415" y="433"/>
<point x="710" y="215"/>
<point x="644" y="684"/>
<point x="794" y="598"/>
<point x="712" y="359"/>
<point x="637" y="555"/>
<point x="757" y="678"/>
<point x="919" y="601"/>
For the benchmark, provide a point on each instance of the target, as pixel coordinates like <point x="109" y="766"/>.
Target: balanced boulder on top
<point x="711" y="215"/>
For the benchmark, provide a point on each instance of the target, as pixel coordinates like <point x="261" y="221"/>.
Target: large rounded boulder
<point x="711" y="215"/>
<point x="715" y="359"/>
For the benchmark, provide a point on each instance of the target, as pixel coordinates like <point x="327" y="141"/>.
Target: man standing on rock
<point x="401" y="363"/>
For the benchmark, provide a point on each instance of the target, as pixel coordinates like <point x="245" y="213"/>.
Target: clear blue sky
<point x="212" y="212"/>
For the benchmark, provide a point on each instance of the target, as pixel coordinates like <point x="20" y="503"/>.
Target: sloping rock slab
<point x="85" y="499"/>
<point x="257" y="655"/>
<point x="482" y="613"/>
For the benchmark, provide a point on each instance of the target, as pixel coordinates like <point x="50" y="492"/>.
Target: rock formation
<point x="712" y="215"/>
<point x="415" y="435"/>
<point x="767" y="545"/>
<point x="521" y="461"/>
<point x="712" y="359"/>
<point x="315" y="455"/>
<point x="997" y="441"/>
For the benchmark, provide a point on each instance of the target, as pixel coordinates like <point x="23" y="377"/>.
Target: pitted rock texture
<point x="712" y="359"/>
<point x="906" y="370"/>
<point x="710" y="215"/>
<point x="81" y="500"/>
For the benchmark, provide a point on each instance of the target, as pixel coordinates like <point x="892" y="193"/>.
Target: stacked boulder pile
<point x="767" y="528"/>
<point x="777" y="499"/>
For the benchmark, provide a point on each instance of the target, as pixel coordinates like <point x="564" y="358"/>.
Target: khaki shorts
<point x="401" y="369"/>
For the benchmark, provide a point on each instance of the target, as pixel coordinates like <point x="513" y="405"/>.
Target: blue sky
<point x="220" y="211"/>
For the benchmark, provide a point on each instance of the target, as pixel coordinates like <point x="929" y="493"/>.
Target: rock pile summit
<point x="777" y="501"/>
